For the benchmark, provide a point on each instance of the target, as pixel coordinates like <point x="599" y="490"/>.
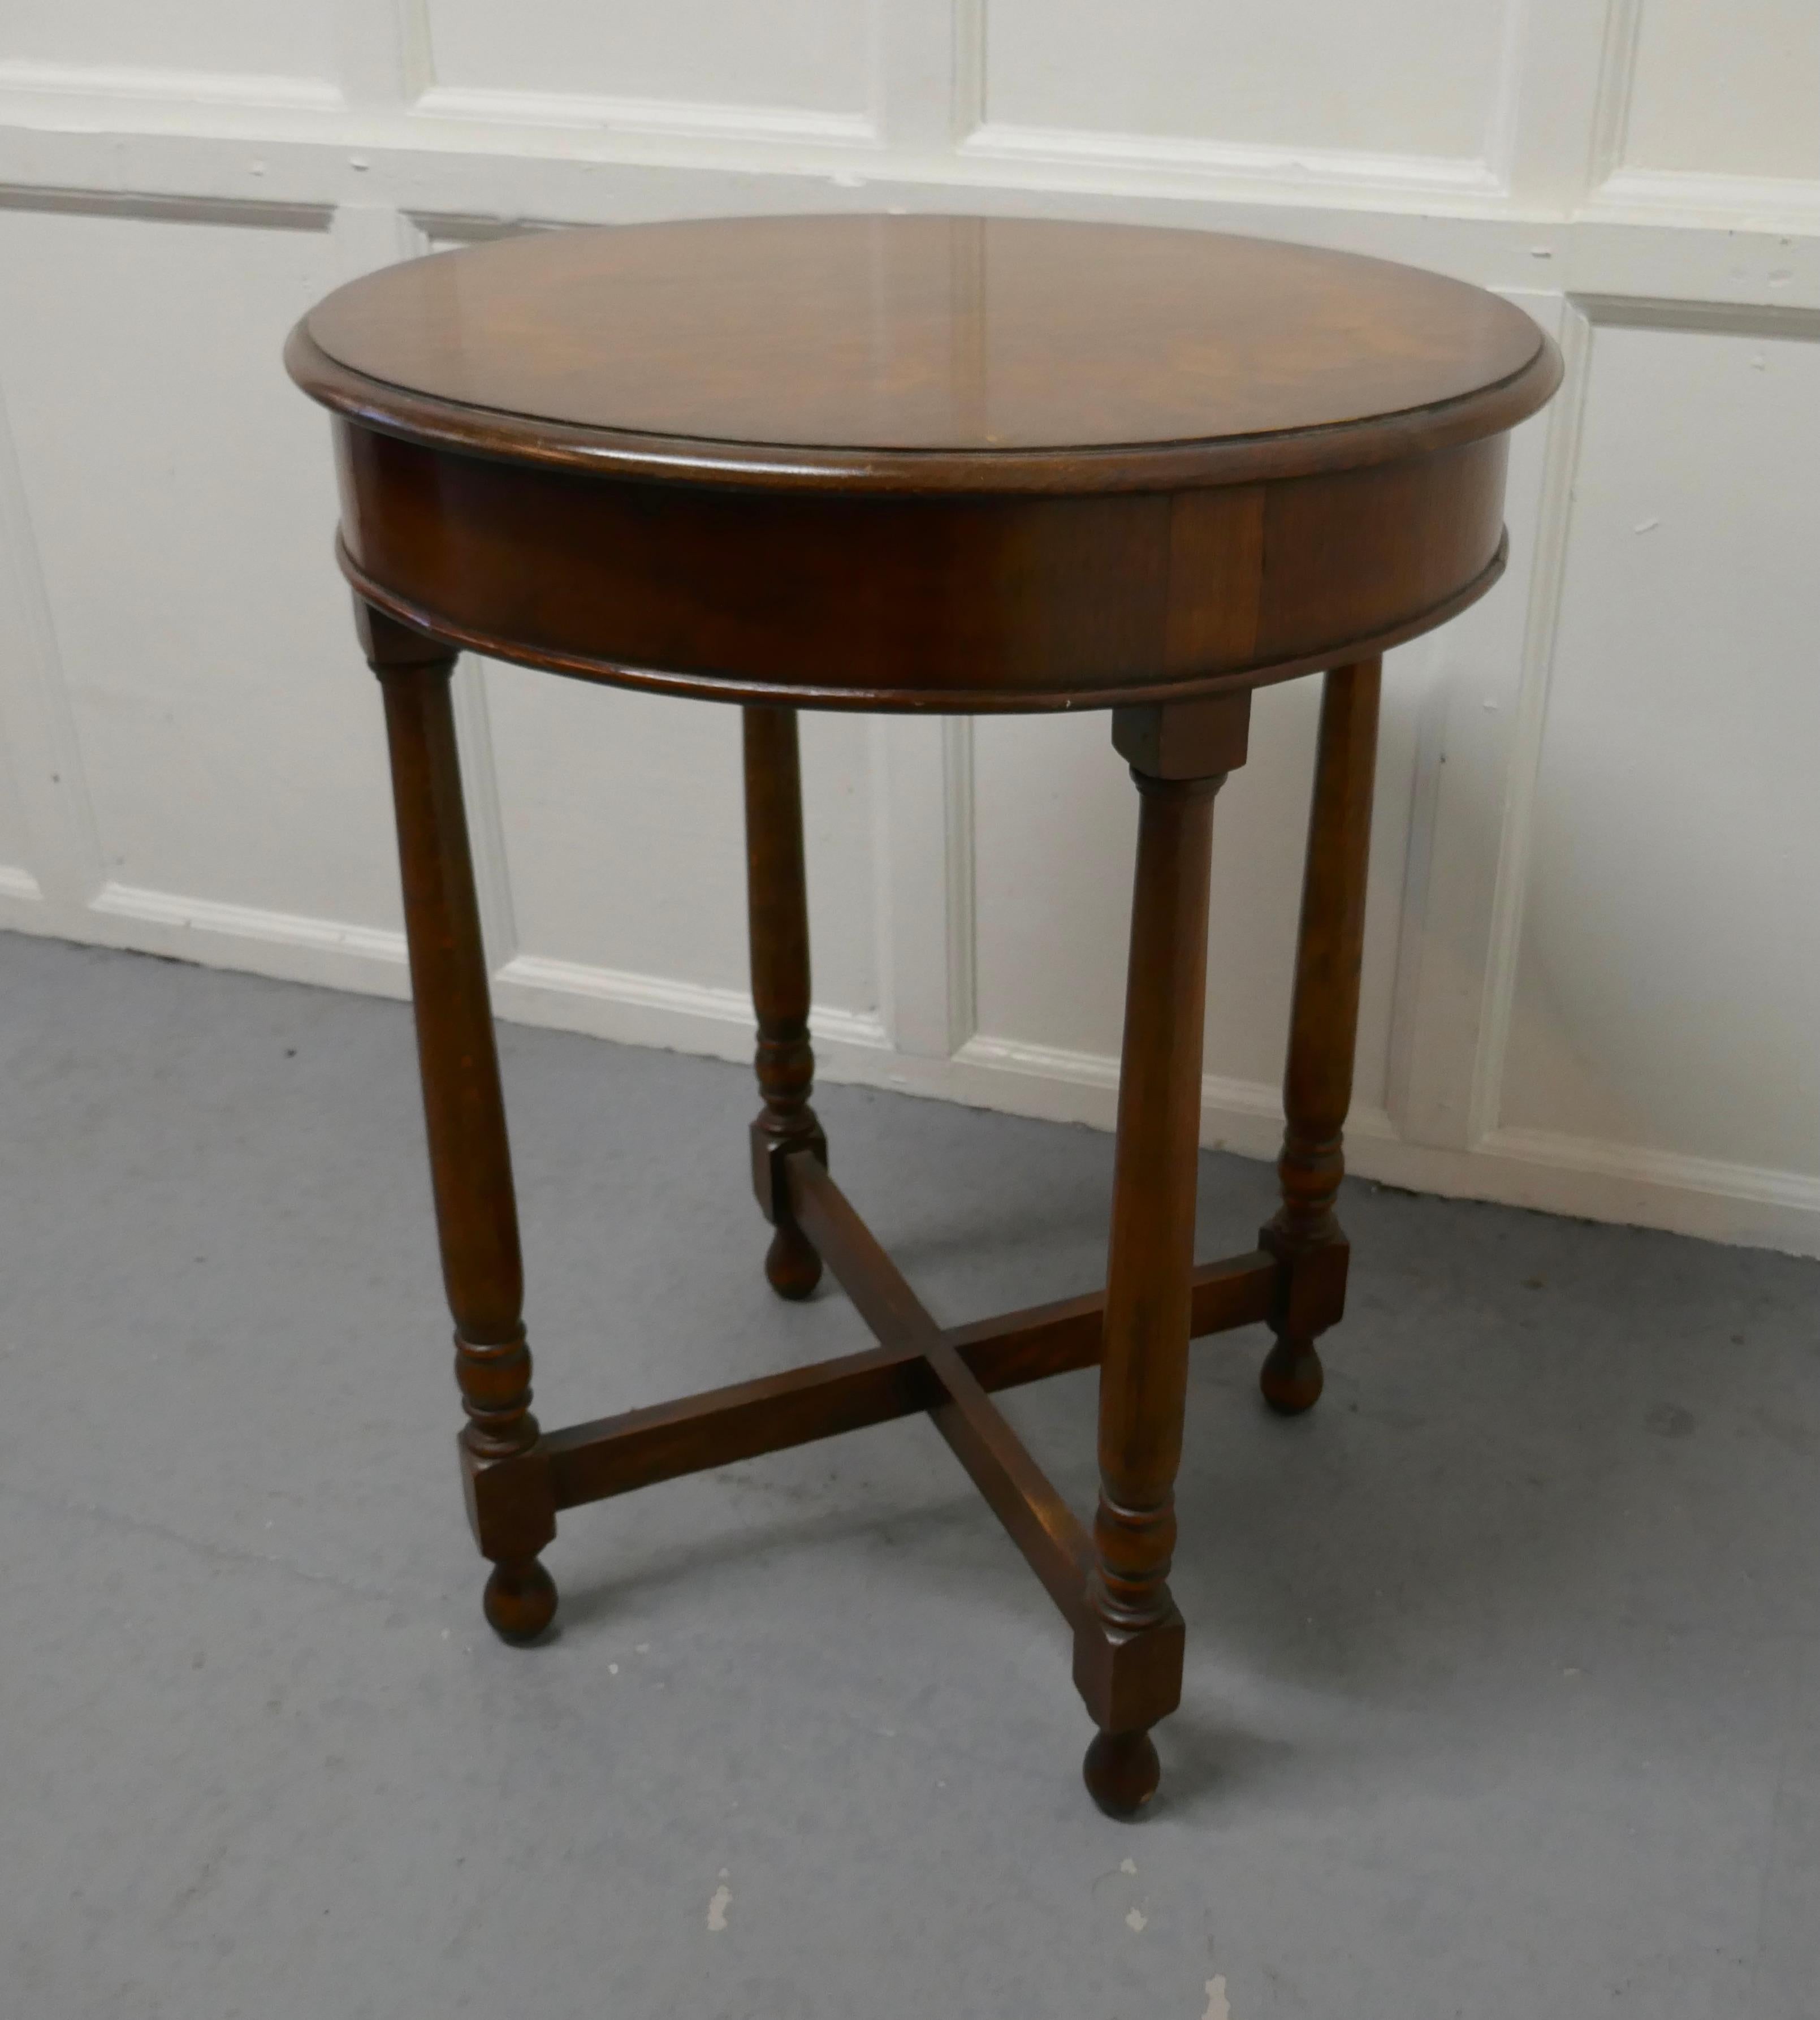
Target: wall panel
<point x="623" y="823"/>
<point x="1052" y="792"/>
<point x="1668" y="989"/>
<point x="182" y="501"/>
<point x="809" y="53"/>
<point x="270" y="38"/>
<point x="15" y="849"/>
<point x="1726" y="90"/>
<point x="1418" y="77"/>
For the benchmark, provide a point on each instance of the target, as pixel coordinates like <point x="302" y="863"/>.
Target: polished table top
<point x="928" y="339"/>
<point x="919" y="462"/>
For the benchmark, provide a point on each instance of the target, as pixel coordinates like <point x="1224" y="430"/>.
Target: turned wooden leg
<point x="509" y="1499"/>
<point x="777" y="904"/>
<point x="1318" y="1085"/>
<point x="1128" y="1652"/>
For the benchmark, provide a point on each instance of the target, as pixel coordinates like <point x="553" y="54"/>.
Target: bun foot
<point x="792" y="1267"/>
<point x="520" y="1601"/>
<point x="1291" y="1377"/>
<point x="1121" y="1771"/>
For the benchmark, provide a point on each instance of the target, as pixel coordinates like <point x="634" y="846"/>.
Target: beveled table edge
<point x="626" y="454"/>
<point x="708" y="686"/>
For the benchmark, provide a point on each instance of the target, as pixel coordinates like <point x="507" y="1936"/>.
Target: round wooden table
<point x="929" y="463"/>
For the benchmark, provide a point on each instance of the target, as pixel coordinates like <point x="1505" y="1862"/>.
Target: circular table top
<point x="923" y="353"/>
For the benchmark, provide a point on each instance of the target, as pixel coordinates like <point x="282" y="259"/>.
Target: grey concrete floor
<point x="1503" y="1691"/>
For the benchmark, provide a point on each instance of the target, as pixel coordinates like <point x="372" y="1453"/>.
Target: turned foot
<point x="1291" y="1377"/>
<point x="520" y="1601"/>
<point x="1121" y="1771"/>
<point x="792" y="1267"/>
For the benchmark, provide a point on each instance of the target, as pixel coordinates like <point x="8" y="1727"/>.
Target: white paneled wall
<point x="1671" y="938"/>
<point x="106" y="38"/>
<point x="1727" y="90"/>
<point x="812" y="55"/>
<point x="1593" y="975"/>
<point x="1295" y="74"/>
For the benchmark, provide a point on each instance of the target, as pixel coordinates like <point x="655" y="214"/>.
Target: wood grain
<point x="928" y="351"/>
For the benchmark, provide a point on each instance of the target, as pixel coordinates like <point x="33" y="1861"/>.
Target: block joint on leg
<point x="784" y="1061"/>
<point x="792" y="1267"/>
<point x="511" y="1509"/>
<point x="1309" y="1296"/>
<point x="1129" y="1679"/>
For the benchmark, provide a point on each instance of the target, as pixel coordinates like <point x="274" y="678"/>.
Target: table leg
<point x="777" y="905"/>
<point x="1128" y="1653"/>
<point x="1317" y="1086"/>
<point x="509" y="1498"/>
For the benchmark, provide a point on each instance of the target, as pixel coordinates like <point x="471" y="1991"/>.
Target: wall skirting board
<point x="1593" y="970"/>
<point x="1612" y="1181"/>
